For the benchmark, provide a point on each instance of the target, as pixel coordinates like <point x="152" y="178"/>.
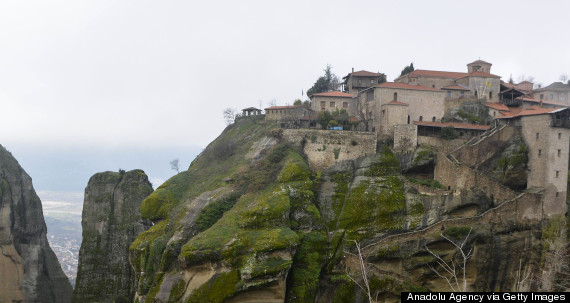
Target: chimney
<point x="353" y="69"/>
<point x="540" y="103"/>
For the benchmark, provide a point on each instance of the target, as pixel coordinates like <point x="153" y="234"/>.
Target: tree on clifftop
<point x="325" y="83"/>
<point x="407" y="69"/>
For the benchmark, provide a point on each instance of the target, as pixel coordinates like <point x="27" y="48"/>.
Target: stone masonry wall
<point x="405" y="137"/>
<point x="325" y="147"/>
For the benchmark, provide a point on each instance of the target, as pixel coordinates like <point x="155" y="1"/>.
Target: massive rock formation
<point x="29" y="270"/>
<point x="111" y="221"/>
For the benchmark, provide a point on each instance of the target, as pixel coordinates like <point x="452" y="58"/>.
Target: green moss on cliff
<point x="303" y="279"/>
<point x="220" y="287"/>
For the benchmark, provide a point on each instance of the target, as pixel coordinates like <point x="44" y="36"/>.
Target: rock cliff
<point x="250" y="221"/>
<point x="29" y="269"/>
<point x="111" y="221"/>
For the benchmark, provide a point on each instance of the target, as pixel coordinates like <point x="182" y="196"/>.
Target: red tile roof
<point x="531" y="111"/>
<point x="436" y="73"/>
<point x="397" y="103"/>
<point x="497" y="106"/>
<point x="454" y="125"/>
<point x="364" y="73"/>
<point x="457" y="87"/>
<point x="334" y="94"/>
<point x="400" y="85"/>
<point x="284" y="107"/>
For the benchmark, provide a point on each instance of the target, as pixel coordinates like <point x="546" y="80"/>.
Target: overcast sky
<point x="139" y="73"/>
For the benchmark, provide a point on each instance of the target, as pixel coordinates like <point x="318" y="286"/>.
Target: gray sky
<point x="141" y="73"/>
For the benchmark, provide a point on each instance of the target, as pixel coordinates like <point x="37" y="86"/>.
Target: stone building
<point x="357" y="81"/>
<point x="290" y="113"/>
<point x="393" y="113"/>
<point x="425" y="103"/>
<point x="556" y="92"/>
<point x="546" y="132"/>
<point x="331" y="101"/>
<point x="476" y="83"/>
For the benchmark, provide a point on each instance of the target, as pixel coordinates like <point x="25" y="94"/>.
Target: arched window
<point x="421" y="118"/>
<point x="433" y="119"/>
<point x="395" y="96"/>
<point x="408" y="119"/>
<point x="490" y="95"/>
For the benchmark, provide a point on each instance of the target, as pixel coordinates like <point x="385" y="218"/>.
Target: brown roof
<point x="479" y="62"/>
<point x="364" y="73"/>
<point x="284" y="107"/>
<point x="481" y="74"/>
<point x="454" y="125"/>
<point x="497" y="106"/>
<point x="397" y="103"/>
<point x="457" y="87"/>
<point x="400" y="85"/>
<point x="250" y="109"/>
<point x="436" y="73"/>
<point x="334" y="94"/>
<point x="531" y="111"/>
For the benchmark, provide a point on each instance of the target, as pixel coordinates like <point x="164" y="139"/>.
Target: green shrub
<point x="448" y="133"/>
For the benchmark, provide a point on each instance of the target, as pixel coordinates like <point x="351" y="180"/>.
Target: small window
<point x="537" y="136"/>
<point x="421" y="118"/>
<point x="395" y="96"/>
<point x="433" y="119"/>
<point x="461" y="134"/>
<point x="558" y="153"/>
<point x="541" y="96"/>
<point x="323" y="104"/>
<point x="344" y="104"/>
<point x="490" y="95"/>
<point x="551" y="97"/>
<point x="557" y="194"/>
<point x="332" y="104"/>
<point x="557" y="173"/>
<point x="540" y="152"/>
<point x="559" y="136"/>
<point x="408" y="119"/>
<point x="372" y="81"/>
<point x="448" y="94"/>
<point x="462" y="94"/>
<point x="433" y="86"/>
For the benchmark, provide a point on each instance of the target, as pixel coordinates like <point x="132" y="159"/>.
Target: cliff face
<point x="251" y="222"/>
<point x="111" y="221"/>
<point x="29" y="269"/>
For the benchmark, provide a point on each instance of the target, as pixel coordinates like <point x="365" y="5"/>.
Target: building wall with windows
<point x="424" y="105"/>
<point x="489" y="92"/>
<point x="322" y="103"/>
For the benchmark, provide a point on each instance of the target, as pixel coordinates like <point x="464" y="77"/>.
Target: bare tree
<point x="366" y="287"/>
<point x="564" y="78"/>
<point x="452" y="269"/>
<point x="175" y="164"/>
<point x="520" y="277"/>
<point x="230" y="115"/>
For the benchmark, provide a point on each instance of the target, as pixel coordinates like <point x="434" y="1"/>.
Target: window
<point x="332" y="104"/>
<point x="421" y="118"/>
<point x="541" y="96"/>
<point x="433" y="119"/>
<point x="448" y="94"/>
<point x="359" y="81"/>
<point x="557" y="173"/>
<point x="395" y="96"/>
<point x="537" y="136"/>
<point x="462" y="94"/>
<point x="433" y="86"/>
<point x="461" y="134"/>
<point x="551" y="97"/>
<point x="490" y="95"/>
<point x="372" y="81"/>
<point x="408" y="119"/>
<point x="559" y="136"/>
<point x="556" y="194"/>
<point x="323" y="104"/>
<point x="558" y="153"/>
<point x="344" y="104"/>
<point x="540" y="152"/>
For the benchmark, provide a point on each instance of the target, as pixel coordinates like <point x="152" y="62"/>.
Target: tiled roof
<point x="397" y="103"/>
<point x="555" y="86"/>
<point x="251" y="108"/>
<point x="436" y="73"/>
<point x="454" y="125"/>
<point x="406" y="86"/>
<point x="481" y="74"/>
<point x="480" y="62"/>
<point x="334" y="94"/>
<point x="284" y="107"/>
<point x="364" y="73"/>
<point x="531" y="111"/>
<point x="456" y="87"/>
<point x="527" y="99"/>
<point x="497" y="106"/>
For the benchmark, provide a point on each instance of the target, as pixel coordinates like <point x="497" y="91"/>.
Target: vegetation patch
<point x="219" y="288"/>
<point x="214" y="211"/>
<point x="303" y="279"/>
<point x="386" y="164"/>
<point x="426" y="182"/>
<point x="457" y="232"/>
